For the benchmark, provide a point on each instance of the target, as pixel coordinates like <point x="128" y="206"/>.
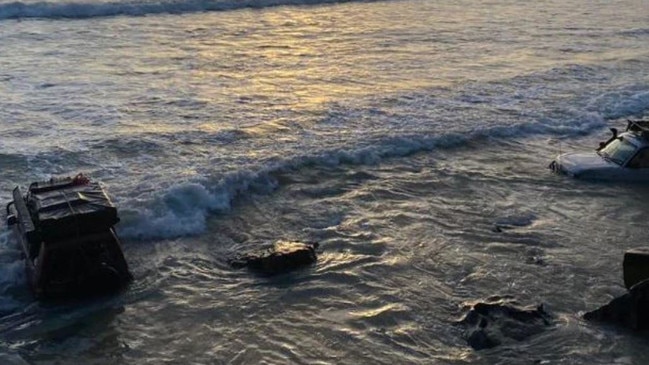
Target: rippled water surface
<point x="397" y="134"/>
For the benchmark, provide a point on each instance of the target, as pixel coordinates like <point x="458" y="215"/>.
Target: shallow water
<point x="398" y="134"/>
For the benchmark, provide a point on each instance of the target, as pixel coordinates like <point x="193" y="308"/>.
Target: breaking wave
<point x="82" y="10"/>
<point x="183" y="209"/>
<point x="12" y="272"/>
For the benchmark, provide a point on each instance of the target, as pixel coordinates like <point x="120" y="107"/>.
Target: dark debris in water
<point x="498" y="319"/>
<point x="512" y="222"/>
<point x="535" y="256"/>
<point x="536" y="260"/>
<point x="499" y="228"/>
<point x="281" y="257"/>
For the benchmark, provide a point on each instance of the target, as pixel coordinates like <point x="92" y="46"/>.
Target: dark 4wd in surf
<point x="65" y="228"/>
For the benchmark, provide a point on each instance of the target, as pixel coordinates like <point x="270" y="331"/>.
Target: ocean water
<point x="397" y="134"/>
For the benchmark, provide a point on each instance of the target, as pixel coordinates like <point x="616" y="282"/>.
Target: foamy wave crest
<point x="13" y="275"/>
<point x="12" y="272"/>
<point x="80" y="10"/>
<point x="622" y="103"/>
<point x="183" y="209"/>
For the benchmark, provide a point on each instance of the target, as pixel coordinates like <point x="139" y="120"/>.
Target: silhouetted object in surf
<point x="631" y="309"/>
<point x="281" y="257"/>
<point x="496" y="320"/>
<point x="635" y="266"/>
<point x="65" y="227"/>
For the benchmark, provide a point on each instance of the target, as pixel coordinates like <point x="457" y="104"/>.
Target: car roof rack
<point x="638" y="126"/>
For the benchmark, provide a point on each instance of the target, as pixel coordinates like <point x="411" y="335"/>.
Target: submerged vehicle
<point x="623" y="157"/>
<point x="65" y="228"/>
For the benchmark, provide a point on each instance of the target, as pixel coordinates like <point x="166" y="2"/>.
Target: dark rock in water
<point x="492" y="322"/>
<point x="283" y="256"/>
<point x="630" y="310"/>
<point x="635" y="266"/>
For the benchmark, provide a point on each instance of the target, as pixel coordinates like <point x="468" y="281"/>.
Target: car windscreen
<point x="618" y="151"/>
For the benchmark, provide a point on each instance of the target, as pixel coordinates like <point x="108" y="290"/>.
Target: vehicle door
<point x="637" y="169"/>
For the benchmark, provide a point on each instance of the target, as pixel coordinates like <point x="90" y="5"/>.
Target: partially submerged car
<point x="65" y="228"/>
<point x="623" y="157"/>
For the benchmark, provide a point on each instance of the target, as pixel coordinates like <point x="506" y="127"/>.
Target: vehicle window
<point x="618" y="151"/>
<point x="641" y="159"/>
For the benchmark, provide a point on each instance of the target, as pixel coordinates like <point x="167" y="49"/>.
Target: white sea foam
<point x="79" y="10"/>
<point x="13" y="274"/>
<point x="12" y="271"/>
<point x="182" y="210"/>
<point x="624" y="102"/>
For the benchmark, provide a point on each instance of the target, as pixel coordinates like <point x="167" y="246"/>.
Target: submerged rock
<point x="492" y="322"/>
<point x="630" y="310"/>
<point x="281" y="257"/>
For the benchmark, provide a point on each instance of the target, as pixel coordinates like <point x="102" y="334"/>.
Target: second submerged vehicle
<point x="623" y="157"/>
